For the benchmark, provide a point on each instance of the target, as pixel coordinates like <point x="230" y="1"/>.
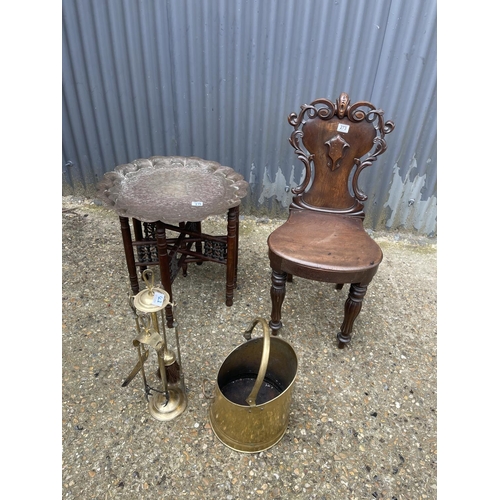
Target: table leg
<point x="164" y="261"/>
<point x="129" y="254"/>
<point x="137" y="225"/>
<point x="198" y="245"/>
<point x="237" y="243"/>
<point x="232" y="253"/>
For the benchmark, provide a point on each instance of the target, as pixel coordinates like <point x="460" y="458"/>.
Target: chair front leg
<point x="352" y="308"/>
<point x="278" y="290"/>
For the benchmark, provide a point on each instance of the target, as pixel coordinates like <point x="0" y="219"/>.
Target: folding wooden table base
<point x="150" y="246"/>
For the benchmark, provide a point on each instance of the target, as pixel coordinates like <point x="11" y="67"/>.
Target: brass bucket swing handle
<point x="264" y="360"/>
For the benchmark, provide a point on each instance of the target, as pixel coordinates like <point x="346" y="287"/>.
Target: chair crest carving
<point x="344" y="126"/>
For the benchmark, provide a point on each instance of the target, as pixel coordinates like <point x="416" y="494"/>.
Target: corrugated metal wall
<point x="218" y="78"/>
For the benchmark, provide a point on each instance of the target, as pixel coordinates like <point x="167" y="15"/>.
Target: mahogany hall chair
<point x="323" y="238"/>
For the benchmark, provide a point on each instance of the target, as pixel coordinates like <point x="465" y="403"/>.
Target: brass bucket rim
<point x="263" y="365"/>
<point x="283" y="391"/>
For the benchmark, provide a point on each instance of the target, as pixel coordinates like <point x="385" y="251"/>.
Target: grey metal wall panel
<point x="218" y="78"/>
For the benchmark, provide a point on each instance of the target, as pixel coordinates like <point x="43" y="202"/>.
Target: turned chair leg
<point x="351" y="310"/>
<point x="278" y="290"/>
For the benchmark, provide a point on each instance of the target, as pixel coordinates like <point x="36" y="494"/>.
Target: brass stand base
<point x="176" y="405"/>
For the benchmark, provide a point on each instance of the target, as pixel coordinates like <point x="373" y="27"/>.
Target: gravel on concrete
<point x="363" y="420"/>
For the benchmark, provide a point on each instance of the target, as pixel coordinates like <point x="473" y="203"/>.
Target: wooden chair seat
<point x="341" y="252"/>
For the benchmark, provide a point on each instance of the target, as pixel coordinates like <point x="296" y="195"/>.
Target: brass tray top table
<point x="174" y="194"/>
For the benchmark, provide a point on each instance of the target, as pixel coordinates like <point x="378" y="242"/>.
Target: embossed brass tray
<point x="172" y="189"/>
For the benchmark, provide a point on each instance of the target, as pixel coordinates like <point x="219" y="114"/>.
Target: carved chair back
<point x="330" y="138"/>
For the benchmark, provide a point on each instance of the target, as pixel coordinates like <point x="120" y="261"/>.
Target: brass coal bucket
<point x="251" y="402"/>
